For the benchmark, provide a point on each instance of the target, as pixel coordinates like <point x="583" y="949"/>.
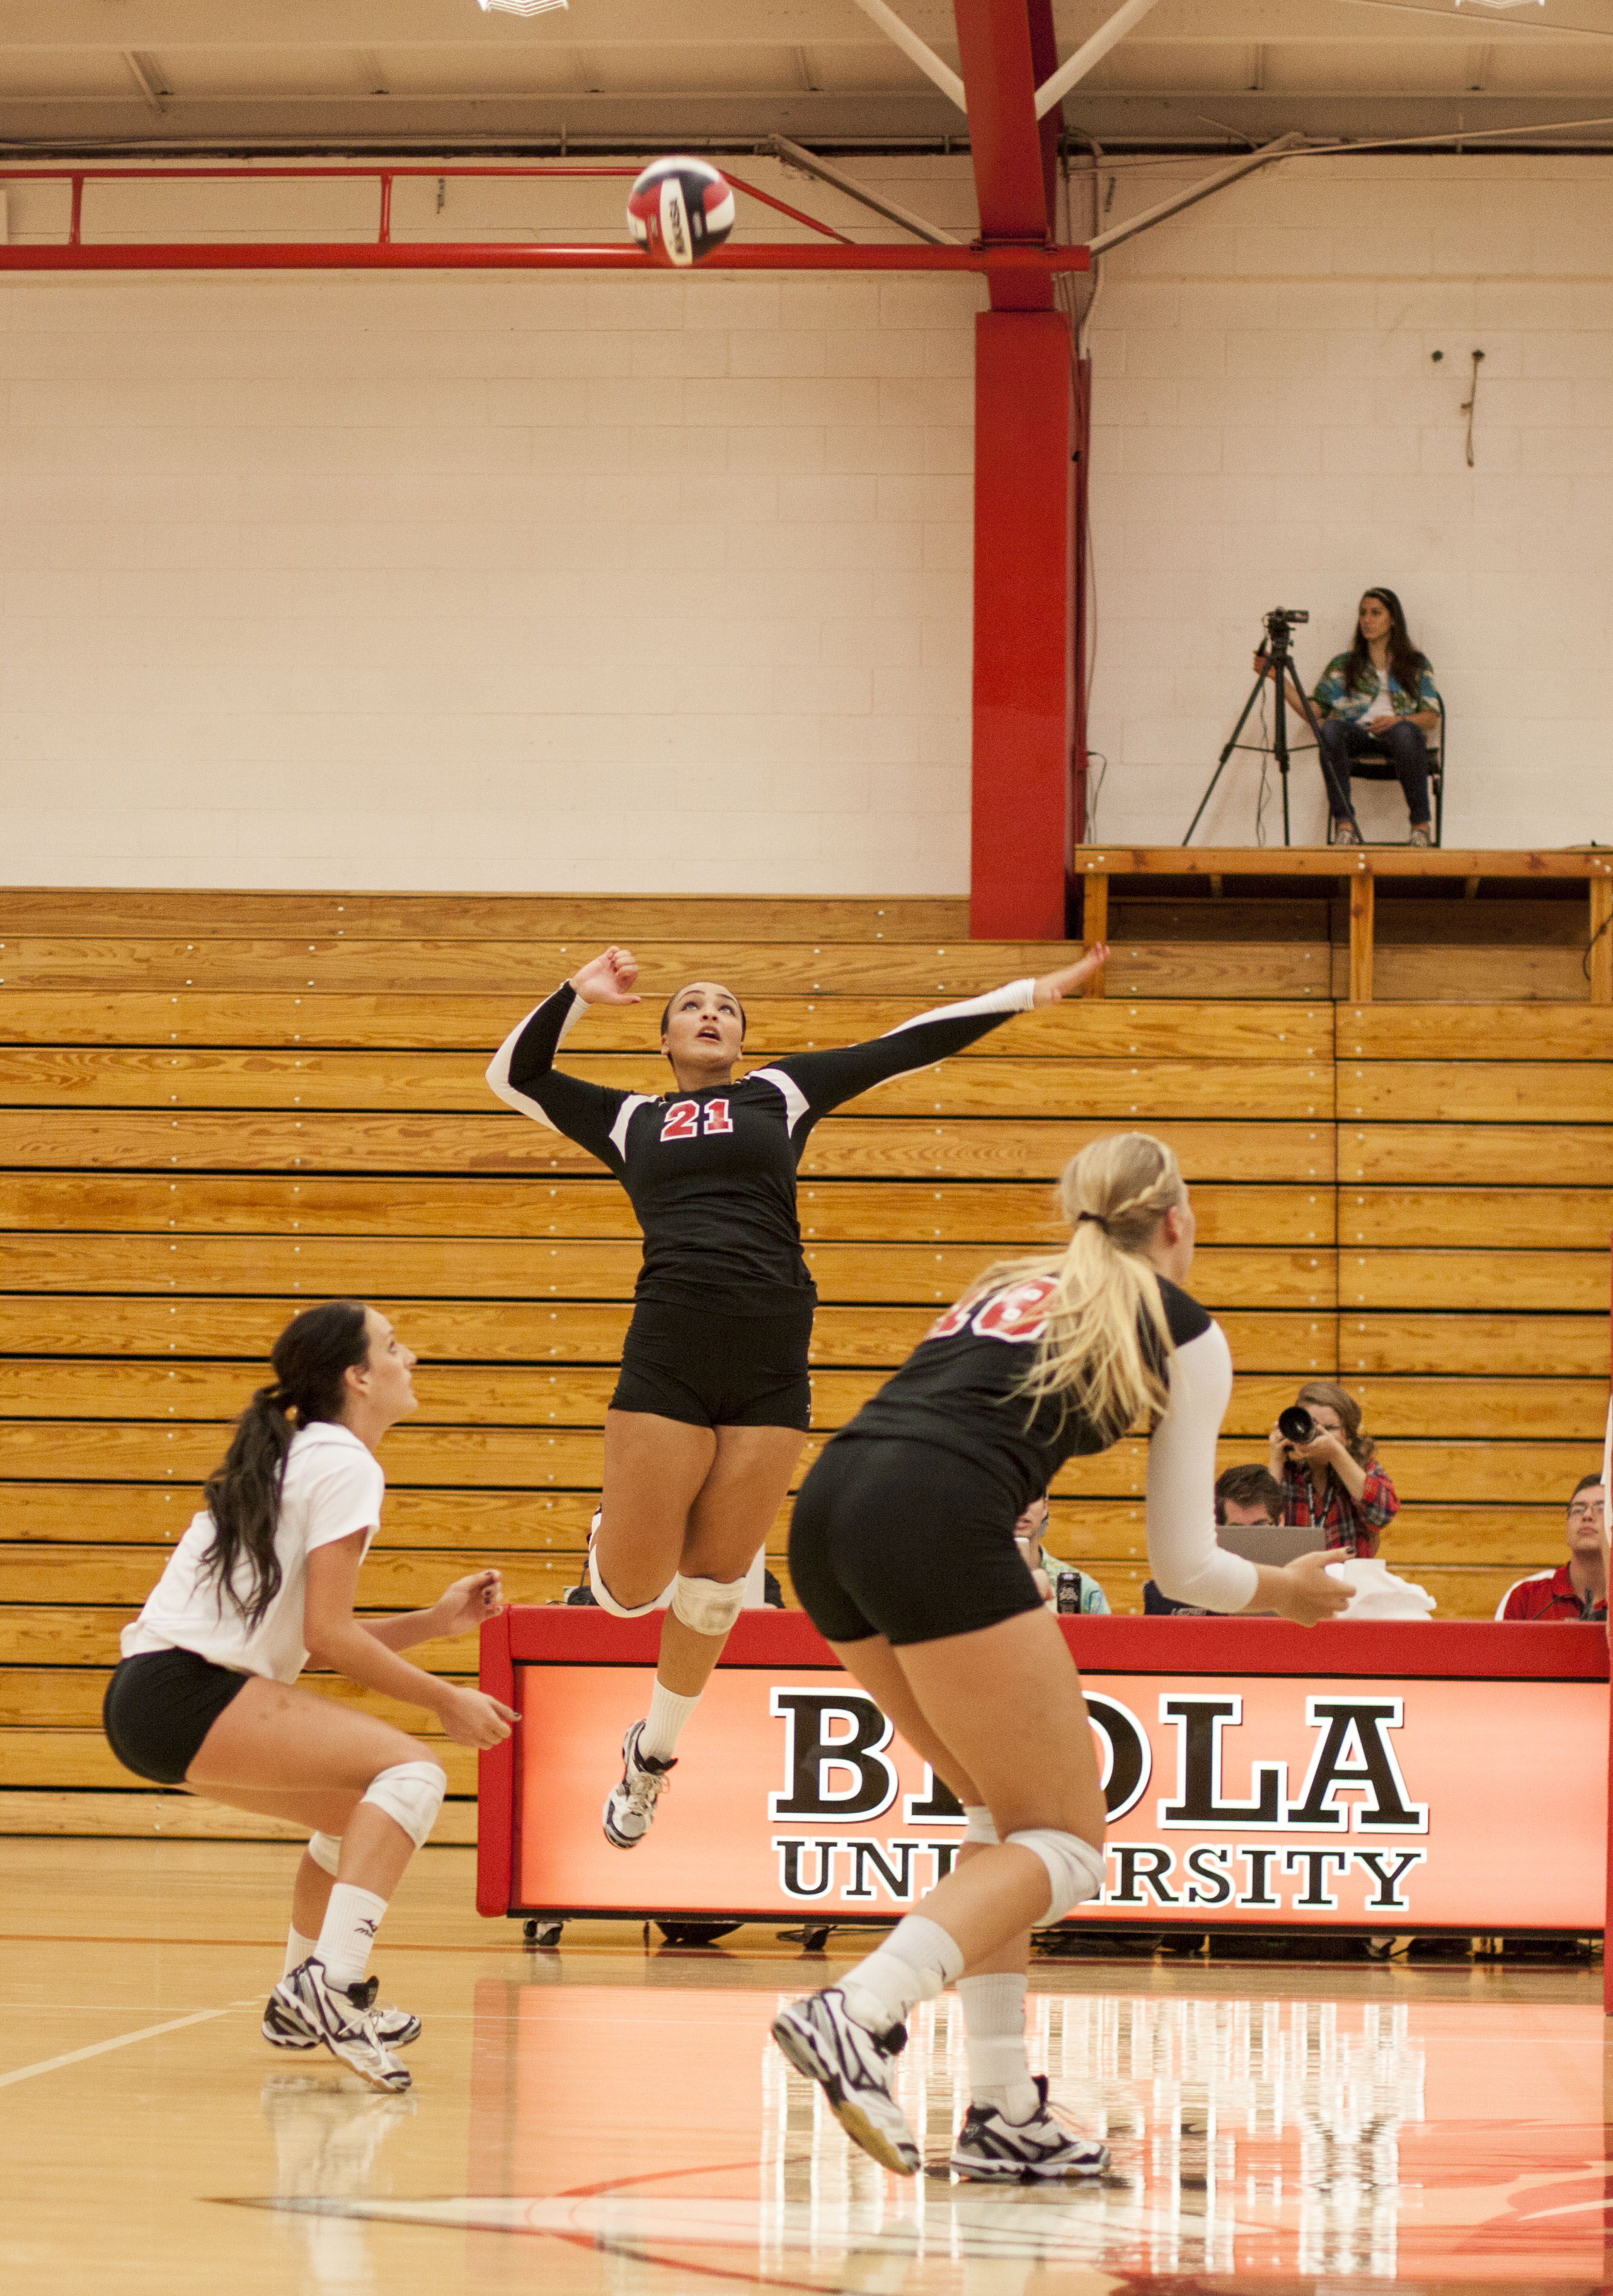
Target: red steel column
<point x="1023" y="653"/>
<point x="1024" y="696"/>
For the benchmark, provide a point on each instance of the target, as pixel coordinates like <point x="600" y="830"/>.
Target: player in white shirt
<point x="207" y="1694"/>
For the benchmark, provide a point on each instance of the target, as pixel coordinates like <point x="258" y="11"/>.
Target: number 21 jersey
<point x="712" y="1174"/>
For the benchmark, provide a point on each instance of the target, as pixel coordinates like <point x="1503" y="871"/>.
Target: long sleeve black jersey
<point x="712" y="1174"/>
<point x="962" y="1391"/>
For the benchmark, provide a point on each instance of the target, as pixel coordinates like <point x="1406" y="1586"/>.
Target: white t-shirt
<point x="333" y="1486"/>
<point x="1378" y="703"/>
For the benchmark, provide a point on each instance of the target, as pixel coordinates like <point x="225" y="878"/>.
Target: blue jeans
<point x="1344" y="738"/>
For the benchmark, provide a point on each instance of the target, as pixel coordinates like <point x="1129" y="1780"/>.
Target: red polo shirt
<point x="1550" y="1595"/>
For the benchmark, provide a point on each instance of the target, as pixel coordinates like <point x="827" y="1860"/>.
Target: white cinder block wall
<point x="1273" y="430"/>
<point x="480" y="581"/>
<point x="570" y="583"/>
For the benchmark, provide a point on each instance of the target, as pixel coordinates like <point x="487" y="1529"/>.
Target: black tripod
<point x="1279" y="628"/>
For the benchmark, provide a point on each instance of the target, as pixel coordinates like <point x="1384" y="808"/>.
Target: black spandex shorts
<point x="903" y="1540"/>
<point x="160" y="1706"/>
<point x="711" y="1368"/>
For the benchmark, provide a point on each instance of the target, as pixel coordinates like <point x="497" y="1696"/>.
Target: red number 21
<point x="682" y="1121"/>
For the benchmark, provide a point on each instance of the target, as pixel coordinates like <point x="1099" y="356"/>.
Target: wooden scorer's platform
<point x="1450" y="917"/>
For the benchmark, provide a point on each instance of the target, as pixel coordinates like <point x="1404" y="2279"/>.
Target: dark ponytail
<point x="310" y="1358"/>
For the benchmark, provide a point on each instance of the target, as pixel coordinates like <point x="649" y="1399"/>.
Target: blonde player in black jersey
<point x="712" y="1404"/>
<point x="903" y="1551"/>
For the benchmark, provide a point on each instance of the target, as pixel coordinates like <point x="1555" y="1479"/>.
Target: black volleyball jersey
<point x="960" y="1389"/>
<point x="712" y="1174"/>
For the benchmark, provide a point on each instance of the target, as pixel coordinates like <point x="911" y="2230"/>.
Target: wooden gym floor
<point x="611" y="2118"/>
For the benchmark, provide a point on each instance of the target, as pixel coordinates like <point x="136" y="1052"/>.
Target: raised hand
<point x="1054" y="986"/>
<point x="468" y="1602"/>
<point x="472" y="1719"/>
<point x="608" y="979"/>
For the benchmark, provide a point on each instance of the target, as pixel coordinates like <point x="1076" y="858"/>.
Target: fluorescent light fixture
<point x="522" y="7"/>
<point x="1476" y="4"/>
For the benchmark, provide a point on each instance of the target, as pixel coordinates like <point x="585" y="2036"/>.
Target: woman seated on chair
<point x="1381" y="692"/>
<point x="1380" y="695"/>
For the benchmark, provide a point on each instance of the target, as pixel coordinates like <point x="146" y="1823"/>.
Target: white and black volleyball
<point x="680" y="212"/>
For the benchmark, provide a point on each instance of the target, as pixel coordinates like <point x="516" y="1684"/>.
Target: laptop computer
<point x="1273" y="1543"/>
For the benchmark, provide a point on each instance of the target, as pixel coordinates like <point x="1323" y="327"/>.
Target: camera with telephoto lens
<point x="1295" y="1425"/>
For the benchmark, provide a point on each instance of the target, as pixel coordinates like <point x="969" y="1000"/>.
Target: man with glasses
<point x="1578" y="1588"/>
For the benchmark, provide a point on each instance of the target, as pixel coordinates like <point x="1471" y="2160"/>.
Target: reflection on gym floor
<point x="1341" y="2139"/>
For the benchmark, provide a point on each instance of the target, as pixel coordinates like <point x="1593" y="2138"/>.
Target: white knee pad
<point x="606" y="1599"/>
<point x="708" y="1606"/>
<point x="325" y="1850"/>
<point x="980" y="1827"/>
<point x="1074" y="1868"/>
<point x="411" y="1793"/>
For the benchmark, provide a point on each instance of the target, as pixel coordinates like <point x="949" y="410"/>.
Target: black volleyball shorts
<point x="901" y="1540"/>
<point x="711" y="1368"/>
<point x="160" y="1706"/>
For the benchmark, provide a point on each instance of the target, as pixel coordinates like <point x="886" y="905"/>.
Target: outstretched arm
<point x="522" y="1071"/>
<point x="820" y="1081"/>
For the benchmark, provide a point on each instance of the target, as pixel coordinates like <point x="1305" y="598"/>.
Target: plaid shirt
<point x="1549" y="1595"/>
<point x="1351" y="1524"/>
<point x="1335" y="698"/>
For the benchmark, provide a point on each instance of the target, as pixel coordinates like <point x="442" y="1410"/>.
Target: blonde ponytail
<point x="1105" y="1294"/>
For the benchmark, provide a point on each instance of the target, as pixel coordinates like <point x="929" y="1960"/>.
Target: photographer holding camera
<point x="1328" y="1471"/>
<point x="1381" y="693"/>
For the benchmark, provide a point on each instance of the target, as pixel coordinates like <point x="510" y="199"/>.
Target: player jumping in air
<point x="713" y="1402"/>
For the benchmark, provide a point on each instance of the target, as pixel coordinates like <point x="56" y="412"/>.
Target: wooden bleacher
<point x="216" y="1106"/>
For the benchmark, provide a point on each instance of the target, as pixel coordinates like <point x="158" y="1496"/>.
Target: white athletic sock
<point x="299" y="1948"/>
<point x="916" y="1961"/>
<point x="994" y="2023"/>
<point x="664" y="1724"/>
<point x="348" y="1933"/>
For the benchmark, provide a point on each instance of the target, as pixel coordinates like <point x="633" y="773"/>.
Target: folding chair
<point x="1374" y="766"/>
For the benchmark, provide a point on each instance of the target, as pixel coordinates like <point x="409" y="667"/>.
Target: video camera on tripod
<point x="1274" y="661"/>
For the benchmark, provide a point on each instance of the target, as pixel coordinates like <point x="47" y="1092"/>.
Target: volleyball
<point x="680" y="212"/>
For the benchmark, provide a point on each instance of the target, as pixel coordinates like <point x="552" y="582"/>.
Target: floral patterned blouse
<point x="1335" y="697"/>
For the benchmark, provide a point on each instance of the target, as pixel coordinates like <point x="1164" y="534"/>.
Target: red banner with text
<point x="1385" y="1804"/>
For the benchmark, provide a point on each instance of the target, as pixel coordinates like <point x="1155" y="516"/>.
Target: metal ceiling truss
<point x="1049" y="94"/>
<point x="796" y="155"/>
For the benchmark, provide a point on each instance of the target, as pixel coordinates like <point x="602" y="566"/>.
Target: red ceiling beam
<point x="1034" y="265"/>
